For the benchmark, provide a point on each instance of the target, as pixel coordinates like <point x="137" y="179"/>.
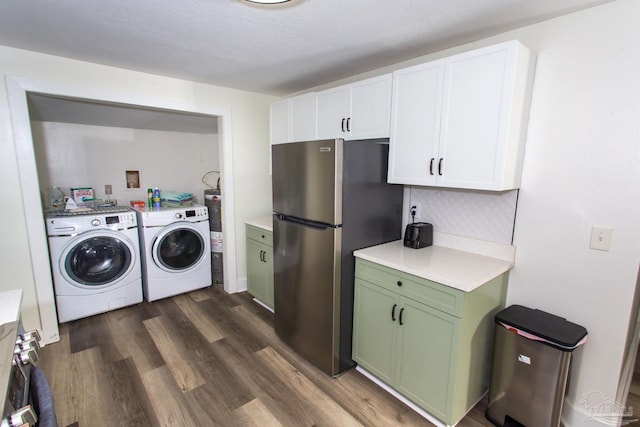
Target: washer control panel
<point x="57" y="225"/>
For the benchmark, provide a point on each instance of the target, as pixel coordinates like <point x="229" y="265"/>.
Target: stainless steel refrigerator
<point x="330" y="197"/>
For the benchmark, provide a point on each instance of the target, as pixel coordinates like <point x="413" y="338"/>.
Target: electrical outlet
<point x="108" y="189"/>
<point x="601" y="238"/>
<point x="414" y="211"/>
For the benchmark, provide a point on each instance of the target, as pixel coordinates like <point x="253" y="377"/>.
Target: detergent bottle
<point x="156" y="198"/>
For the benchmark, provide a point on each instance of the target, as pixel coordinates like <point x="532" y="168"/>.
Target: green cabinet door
<point x="260" y="271"/>
<point x="374" y="329"/>
<point x="425" y="358"/>
<point x="268" y="272"/>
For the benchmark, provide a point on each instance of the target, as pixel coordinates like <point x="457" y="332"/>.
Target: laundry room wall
<point x="73" y="155"/>
<point x="243" y="136"/>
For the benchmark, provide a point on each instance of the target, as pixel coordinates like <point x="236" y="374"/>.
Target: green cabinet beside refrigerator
<point x="260" y="264"/>
<point x="430" y="342"/>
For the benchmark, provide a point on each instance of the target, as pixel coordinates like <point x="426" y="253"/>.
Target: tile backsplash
<point x="480" y="215"/>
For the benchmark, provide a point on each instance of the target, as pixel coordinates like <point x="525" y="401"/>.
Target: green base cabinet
<point x="260" y="264"/>
<point x="429" y="342"/>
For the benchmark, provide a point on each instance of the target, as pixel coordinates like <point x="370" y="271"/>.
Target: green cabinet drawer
<point x="435" y="295"/>
<point x="260" y="235"/>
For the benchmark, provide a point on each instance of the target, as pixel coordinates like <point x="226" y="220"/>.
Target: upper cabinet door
<point x="475" y="136"/>
<point x="279" y="122"/>
<point x="333" y="111"/>
<point x="478" y="115"/>
<point x="415" y="124"/>
<point x="370" y="108"/>
<point x="359" y="110"/>
<point x="303" y="117"/>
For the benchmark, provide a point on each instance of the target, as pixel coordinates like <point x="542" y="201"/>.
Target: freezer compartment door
<point x="307" y="180"/>
<point x="306" y="263"/>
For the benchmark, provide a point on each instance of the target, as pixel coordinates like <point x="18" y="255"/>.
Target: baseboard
<point x="401" y="398"/>
<point x="257" y="301"/>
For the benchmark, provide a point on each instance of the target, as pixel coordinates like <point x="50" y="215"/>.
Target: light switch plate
<point x="601" y="238"/>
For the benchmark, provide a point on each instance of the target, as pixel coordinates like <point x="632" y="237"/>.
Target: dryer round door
<point x="178" y="247"/>
<point x="98" y="259"/>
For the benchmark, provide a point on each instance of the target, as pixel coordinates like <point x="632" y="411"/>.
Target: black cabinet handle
<point x="348" y="124"/>
<point x="393" y="312"/>
<point x="399" y="283"/>
<point x="400" y="319"/>
<point x="342" y="126"/>
<point x="431" y="166"/>
<point x="262" y="254"/>
<point x="440" y="166"/>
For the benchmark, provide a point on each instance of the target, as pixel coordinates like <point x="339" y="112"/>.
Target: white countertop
<point x="451" y="267"/>
<point x="10" y="305"/>
<point x="264" y="222"/>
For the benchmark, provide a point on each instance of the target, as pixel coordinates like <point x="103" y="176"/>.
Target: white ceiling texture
<point x="277" y="49"/>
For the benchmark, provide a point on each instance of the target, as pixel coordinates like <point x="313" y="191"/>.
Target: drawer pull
<point x="400" y="319"/>
<point x="399" y="283"/>
<point x="393" y="312"/>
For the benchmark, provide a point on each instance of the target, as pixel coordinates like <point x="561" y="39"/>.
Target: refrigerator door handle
<point x="306" y="222"/>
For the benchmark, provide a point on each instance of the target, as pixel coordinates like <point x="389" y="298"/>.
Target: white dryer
<point x="95" y="261"/>
<point x="176" y="246"/>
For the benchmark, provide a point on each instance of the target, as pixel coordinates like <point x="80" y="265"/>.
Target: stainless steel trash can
<point x="532" y="353"/>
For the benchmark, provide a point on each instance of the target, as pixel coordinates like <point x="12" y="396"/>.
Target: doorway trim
<point x="17" y="90"/>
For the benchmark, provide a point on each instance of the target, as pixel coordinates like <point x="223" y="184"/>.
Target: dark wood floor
<point x="205" y="359"/>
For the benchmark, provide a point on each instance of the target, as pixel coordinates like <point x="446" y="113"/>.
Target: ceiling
<point x="276" y="50"/>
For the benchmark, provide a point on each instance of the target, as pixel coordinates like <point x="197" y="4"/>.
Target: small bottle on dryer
<point x="156" y="198"/>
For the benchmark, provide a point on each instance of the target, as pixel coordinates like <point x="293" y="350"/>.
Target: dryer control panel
<point x="197" y="213"/>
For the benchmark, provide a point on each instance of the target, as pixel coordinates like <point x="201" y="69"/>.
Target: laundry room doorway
<point x="24" y="93"/>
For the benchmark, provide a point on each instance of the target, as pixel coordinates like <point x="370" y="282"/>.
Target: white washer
<point x="176" y="246"/>
<point x="95" y="261"/>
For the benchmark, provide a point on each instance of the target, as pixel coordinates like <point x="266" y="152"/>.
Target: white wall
<point x="245" y="128"/>
<point x="582" y="167"/>
<point x="72" y="155"/>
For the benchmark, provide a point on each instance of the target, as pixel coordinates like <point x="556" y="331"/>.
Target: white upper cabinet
<point x="279" y="124"/>
<point x="459" y="122"/>
<point x="293" y="119"/>
<point x="415" y="124"/>
<point x="355" y="111"/>
<point x="303" y="117"/>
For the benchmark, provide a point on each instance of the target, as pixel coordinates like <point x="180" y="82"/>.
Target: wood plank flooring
<point x="205" y="359"/>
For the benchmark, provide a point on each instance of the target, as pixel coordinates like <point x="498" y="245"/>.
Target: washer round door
<point x="179" y="247"/>
<point x="98" y="259"/>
